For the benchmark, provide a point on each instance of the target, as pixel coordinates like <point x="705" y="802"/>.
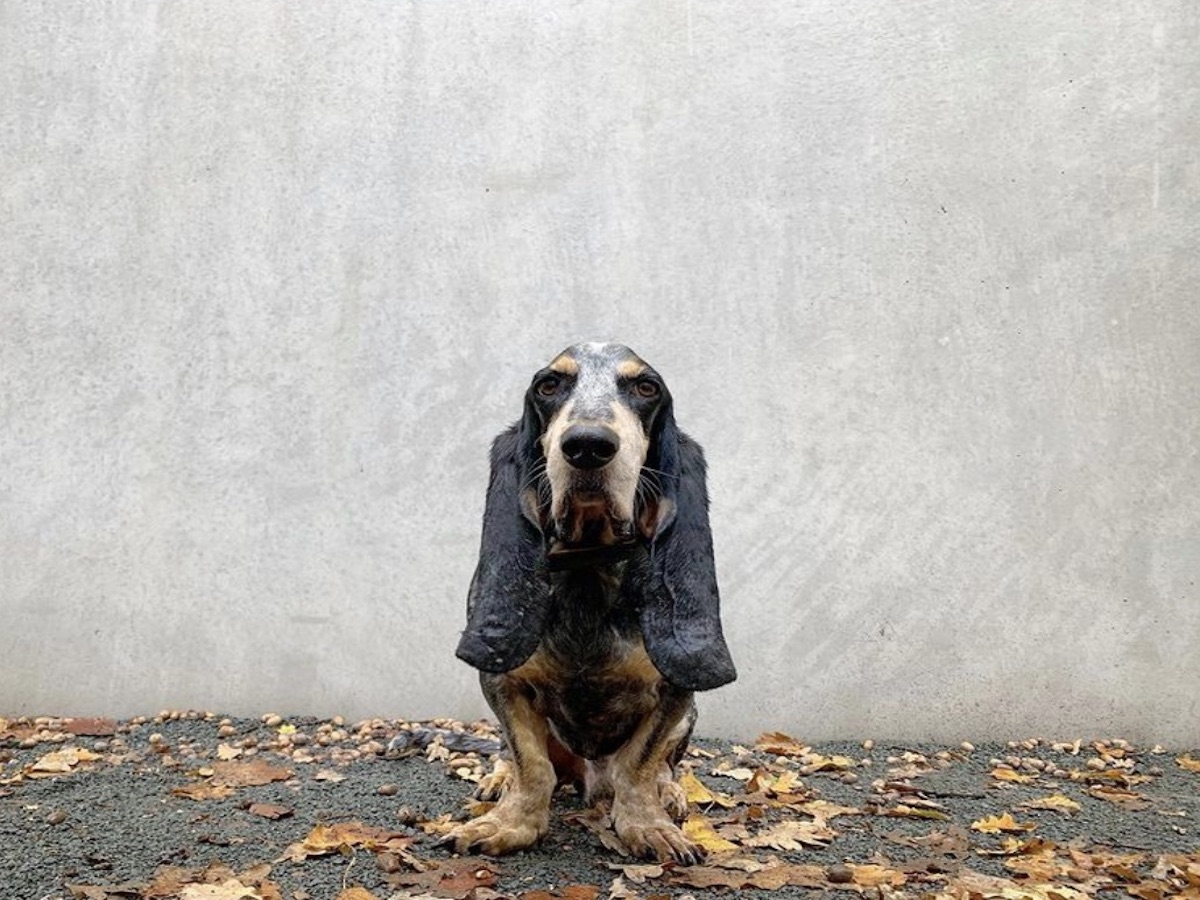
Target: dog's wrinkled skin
<point x="594" y="612"/>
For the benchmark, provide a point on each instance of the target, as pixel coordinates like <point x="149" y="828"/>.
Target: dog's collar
<point x="562" y="557"/>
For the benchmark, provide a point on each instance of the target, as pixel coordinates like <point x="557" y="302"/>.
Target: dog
<point x="593" y="614"/>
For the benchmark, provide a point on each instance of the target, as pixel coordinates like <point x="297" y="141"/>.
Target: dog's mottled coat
<point x="594" y="612"/>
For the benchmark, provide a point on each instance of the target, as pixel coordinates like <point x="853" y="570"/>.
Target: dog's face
<point x="597" y="408"/>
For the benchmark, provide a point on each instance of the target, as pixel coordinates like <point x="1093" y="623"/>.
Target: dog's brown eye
<point x="548" y="387"/>
<point x="646" y="389"/>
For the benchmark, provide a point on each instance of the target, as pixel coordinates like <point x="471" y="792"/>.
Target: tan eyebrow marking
<point x="564" y="365"/>
<point x="630" y="368"/>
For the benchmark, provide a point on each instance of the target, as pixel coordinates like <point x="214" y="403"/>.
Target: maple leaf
<point x="233" y="889"/>
<point x="700" y="830"/>
<point x="997" y="824"/>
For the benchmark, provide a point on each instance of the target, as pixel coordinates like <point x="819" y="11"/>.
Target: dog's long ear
<point x="681" y="613"/>
<point x="510" y="592"/>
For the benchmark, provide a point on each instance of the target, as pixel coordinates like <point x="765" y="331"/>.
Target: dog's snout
<point x="590" y="446"/>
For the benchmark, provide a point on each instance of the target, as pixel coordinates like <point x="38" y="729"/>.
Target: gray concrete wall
<point x="922" y="277"/>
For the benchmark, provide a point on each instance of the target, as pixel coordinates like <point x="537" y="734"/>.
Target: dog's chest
<point x="593" y="681"/>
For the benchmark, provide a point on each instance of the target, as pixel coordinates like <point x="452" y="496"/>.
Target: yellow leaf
<point x="287" y="728"/>
<point x="1055" y="802"/>
<point x="694" y="790"/>
<point x="59" y="761"/>
<point x="1192" y="765"/>
<point x="701" y="831"/>
<point x="997" y="824"/>
<point x="793" y="835"/>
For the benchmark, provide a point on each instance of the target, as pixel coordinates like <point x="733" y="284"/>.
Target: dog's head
<point x="596" y="421"/>
<point x="596" y="472"/>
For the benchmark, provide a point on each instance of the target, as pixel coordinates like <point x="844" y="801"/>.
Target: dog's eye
<point x="646" y="389"/>
<point x="548" y="387"/>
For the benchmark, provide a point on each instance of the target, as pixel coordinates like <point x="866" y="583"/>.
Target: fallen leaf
<point x="875" y="875"/>
<point x="695" y="790"/>
<point x="249" y="773"/>
<point x="270" y="810"/>
<point x="997" y="824"/>
<point x="355" y="893"/>
<point x="226" y="752"/>
<point x="1120" y="796"/>
<point x="905" y="811"/>
<point x="700" y="830"/>
<point x="1187" y="762"/>
<point x="792" y="835"/>
<point x="202" y="791"/>
<point x="88" y="727"/>
<point x="233" y="889"/>
<point x="58" y="762"/>
<point x="779" y="744"/>
<point x="345" y="836"/>
<point x="1055" y="802"/>
<point x="1011" y="775"/>
<point x="331" y="775"/>
<point x="638" y="872"/>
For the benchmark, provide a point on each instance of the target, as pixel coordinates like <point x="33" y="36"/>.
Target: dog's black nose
<point x="590" y="446"/>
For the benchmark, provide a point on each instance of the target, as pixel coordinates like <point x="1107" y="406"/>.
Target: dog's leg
<point x="642" y="781"/>
<point x="522" y="814"/>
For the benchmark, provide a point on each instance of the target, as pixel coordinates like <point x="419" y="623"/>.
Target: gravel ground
<point x="145" y="808"/>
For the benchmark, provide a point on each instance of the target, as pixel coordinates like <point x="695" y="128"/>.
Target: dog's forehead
<point x="599" y="361"/>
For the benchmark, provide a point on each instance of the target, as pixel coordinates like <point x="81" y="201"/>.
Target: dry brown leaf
<point x="1120" y="796"/>
<point x="997" y="824"/>
<point x="793" y="835"/>
<point x="333" y="776"/>
<point x="779" y="744"/>
<point x="344" y="836"/>
<point x="822" y="810"/>
<point x="249" y="773"/>
<point x="355" y="893"/>
<point x="1187" y="762"/>
<point x="1055" y="802"/>
<point x="270" y="810"/>
<point x="907" y="811"/>
<point x="58" y="762"/>
<point x="618" y="890"/>
<point x="700" y="830"/>
<point x="638" y="872"/>
<point x="1011" y="775"/>
<point x="87" y="727"/>
<point x="233" y="889"/>
<point x="875" y="875"/>
<point x="226" y="752"/>
<point x="202" y="791"/>
<point x="96" y="892"/>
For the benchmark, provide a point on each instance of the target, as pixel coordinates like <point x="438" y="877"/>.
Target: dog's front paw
<point x="495" y="834"/>
<point x="659" y="839"/>
<point x="492" y="785"/>
<point x="673" y="799"/>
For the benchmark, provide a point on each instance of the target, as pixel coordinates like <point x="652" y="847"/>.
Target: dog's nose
<point x="590" y="446"/>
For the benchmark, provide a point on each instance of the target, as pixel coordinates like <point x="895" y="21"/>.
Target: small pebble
<point x="868" y="745"/>
<point x="839" y="874"/>
<point x="849" y="778"/>
<point x="272" y="720"/>
<point x="967" y="747"/>
<point x="56" y="818"/>
<point x="387" y="790"/>
<point x="300" y="739"/>
<point x="226" y="731"/>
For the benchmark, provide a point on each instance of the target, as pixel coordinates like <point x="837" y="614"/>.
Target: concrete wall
<point x="922" y="276"/>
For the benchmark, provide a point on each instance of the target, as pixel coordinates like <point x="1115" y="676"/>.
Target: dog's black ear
<point x="510" y="592"/>
<point x="681" y="612"/>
